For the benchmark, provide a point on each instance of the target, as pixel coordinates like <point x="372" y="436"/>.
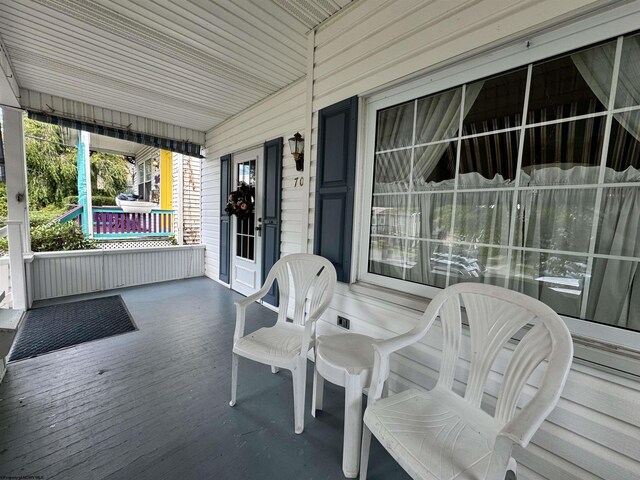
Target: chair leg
<point x="352" y="426"/>
<point x="234" y="378"/>
<point x="299" y="382"/>
<point x="364" y="451"/>
<point x="274" y="369"/>
<point x="512" y="470"/>
<point x="318" y="392"/>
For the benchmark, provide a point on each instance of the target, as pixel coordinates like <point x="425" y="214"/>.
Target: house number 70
<point x="298" y="181"/>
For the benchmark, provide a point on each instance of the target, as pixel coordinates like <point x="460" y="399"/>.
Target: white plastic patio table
<point x="345" y="360"/>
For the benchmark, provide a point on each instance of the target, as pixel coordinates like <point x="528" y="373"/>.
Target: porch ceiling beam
<point x="9" y="89"/>
<point x="76" y="110"/>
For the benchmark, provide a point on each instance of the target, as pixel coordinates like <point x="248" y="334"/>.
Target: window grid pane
<point x="446" y="207"/>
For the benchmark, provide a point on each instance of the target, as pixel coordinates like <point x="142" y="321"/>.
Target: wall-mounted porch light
<point x="296" y="145"/>
<point x="155" y="163"/>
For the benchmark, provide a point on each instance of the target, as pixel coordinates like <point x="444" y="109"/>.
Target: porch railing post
<point x="17" y="203"/>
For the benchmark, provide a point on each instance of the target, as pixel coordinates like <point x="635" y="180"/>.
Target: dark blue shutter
<point x="335" y="180"/>
<point x="225" y="221"/>
<point x="271" y="212"/>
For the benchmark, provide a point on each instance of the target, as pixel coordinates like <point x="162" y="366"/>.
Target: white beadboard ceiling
<point x="190" y="63"/>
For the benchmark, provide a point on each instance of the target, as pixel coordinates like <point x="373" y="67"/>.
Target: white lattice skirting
<point x="120" y="245"/>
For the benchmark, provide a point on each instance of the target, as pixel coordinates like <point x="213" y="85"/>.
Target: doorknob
<point x="259" y="226"/>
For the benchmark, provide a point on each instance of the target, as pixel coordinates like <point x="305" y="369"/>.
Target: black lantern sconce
<point x="296" y="145"/>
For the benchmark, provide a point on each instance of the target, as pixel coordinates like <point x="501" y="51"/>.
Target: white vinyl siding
<point x="186" y="198"/>
<point x="377" y="42"/>
<point x="595" y="431"/>
<point x="280" y="115"/>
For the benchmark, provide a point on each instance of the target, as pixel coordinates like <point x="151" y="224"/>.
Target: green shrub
<point x="96" y="201"/>
<point x="59" y="236"/>
<point x="55" y="237"/>
<point x="3" y="201"/>
<point x="45" y="215"/>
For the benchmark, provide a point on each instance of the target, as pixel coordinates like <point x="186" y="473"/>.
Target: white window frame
<point x="603" y="26"/>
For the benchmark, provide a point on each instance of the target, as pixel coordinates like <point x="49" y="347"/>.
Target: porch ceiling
<point x="192" y="64"/>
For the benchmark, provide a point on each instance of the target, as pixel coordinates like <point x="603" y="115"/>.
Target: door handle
<point x="259" y="227"/>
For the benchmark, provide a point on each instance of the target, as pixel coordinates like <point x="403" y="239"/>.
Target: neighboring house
<point x="173" y="181"/>
<point x="186" y="186"/>
<point x="147" y="178"/>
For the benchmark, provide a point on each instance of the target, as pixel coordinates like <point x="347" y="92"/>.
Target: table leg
<point x="352" y="426"/>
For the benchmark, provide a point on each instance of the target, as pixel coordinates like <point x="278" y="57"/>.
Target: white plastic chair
<point x="439" y="434"/>
<point x="286" y="344"/>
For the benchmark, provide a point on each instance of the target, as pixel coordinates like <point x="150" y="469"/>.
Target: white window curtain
<point x="620" y="212"/>
<point x="421" y="243"/>
<point x="446" y="109"/>
<point x="595" y="66"/>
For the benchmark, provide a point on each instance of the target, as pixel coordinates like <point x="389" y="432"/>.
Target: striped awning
<point x="178" y="146"/>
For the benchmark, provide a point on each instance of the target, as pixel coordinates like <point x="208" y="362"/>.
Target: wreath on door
<point x="240" y="201"/>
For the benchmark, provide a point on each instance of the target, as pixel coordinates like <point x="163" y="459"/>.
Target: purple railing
<point x="113" y="222"/>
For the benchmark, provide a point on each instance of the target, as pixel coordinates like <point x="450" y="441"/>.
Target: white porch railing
<point x="5" y="283"/>
<point x="59" y="274"/>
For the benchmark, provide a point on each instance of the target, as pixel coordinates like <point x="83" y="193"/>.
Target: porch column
<point x="84" y="182"/>
<point x="17" y="203"/>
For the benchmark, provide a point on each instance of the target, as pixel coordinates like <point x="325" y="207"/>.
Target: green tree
<point x="112" y="170"/>
<point x="51" y="166"/>
<point x="52" y="173"/>
<point x="3" y="202"/>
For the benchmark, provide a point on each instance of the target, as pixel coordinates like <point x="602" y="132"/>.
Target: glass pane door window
<point x="147" y="170"/>
<point x="529" y="179"/>
<point x="245" y="227"/>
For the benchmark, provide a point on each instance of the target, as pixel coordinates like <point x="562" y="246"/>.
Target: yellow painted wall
<point x="166" y="180"/>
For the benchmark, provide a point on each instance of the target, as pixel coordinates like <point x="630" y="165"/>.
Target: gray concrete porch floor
<point x="153" y="404"/>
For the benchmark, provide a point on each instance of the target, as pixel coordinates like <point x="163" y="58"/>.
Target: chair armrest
<point x="384" y="348"/>
<point x="309" y="326"/>
<point x="243" y="303"/>
<point x="309" y="337"/>
<point x="379" y="375"/>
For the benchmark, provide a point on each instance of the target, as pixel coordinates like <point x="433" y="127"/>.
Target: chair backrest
<point x="495" y="315"/>
<point x="310" y="278"/>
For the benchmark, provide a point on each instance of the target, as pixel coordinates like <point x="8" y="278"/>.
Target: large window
<point x="529" y="179"/>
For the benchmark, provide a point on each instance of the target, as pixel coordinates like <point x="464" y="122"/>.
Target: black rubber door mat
<point x="54" y="327"/>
